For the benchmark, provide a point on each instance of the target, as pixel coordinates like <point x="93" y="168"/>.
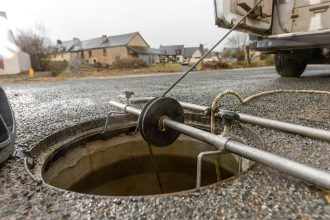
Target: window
<point x="104" y="52"/>
<point x="82" y="54"/>
<point x="117" y="58"/>
<point x="2" y="65"/>
<point x="90" y="53"/>
<point x="178" y="52"/>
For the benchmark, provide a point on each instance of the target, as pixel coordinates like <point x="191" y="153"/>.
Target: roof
<point x="189" y="51"/>
<point x="112" y="41"/>
<point x="171" y="49"/>
<point x="144" y="50"/>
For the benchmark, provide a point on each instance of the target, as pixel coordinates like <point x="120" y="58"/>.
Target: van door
<point x="312" y="15"/>
<point x="230" y="12"/>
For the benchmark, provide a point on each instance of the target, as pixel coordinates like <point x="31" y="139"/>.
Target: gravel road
<point x="262" y="193"/>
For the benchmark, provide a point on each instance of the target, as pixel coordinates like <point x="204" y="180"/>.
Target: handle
<point x="319" y="9"/>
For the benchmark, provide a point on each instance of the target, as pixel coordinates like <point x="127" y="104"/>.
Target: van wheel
<point x="290" y="65"/>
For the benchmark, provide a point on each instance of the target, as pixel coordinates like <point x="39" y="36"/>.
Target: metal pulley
<point x="150" y="121"/>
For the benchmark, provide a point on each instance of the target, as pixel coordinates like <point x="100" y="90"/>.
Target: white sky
<point x="188" y="22"/>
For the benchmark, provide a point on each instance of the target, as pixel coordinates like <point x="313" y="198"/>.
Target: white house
<point x="12" y="59"/>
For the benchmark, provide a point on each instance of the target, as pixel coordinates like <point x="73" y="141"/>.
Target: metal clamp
<point x="128" y="95"/>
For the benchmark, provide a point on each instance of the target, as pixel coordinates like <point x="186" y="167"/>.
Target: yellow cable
<point x="250" y="98"/>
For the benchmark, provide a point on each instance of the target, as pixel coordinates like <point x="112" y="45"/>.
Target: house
<point x="172" y="53"/>
<point x="192" y="53"/>
<point x="12" y="59"/>
<point x="105" y="49"/>
<point x="181" y="54"/>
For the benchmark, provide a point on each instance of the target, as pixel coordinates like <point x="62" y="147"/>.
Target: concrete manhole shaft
<point x="87" y="160"/>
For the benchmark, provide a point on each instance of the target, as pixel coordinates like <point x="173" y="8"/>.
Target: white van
<point x="296" y="31"/>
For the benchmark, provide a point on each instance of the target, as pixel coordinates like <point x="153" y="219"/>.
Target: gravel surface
<point x="263" y="193"/>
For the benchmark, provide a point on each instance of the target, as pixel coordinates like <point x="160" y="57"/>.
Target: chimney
<point x="3" y="14"/>
<point x="76" y="40"/>
<point x="104" y="38"/>
<point x="59" y="42"/>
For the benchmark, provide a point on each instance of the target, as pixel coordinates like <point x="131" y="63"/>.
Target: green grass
<point x="66" y="74"/>
<point x="166" y="68"/>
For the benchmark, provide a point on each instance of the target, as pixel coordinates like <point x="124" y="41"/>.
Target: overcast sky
<point x="188" y="22"/>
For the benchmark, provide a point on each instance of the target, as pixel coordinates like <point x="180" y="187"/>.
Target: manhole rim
<point x="38" y="177"/>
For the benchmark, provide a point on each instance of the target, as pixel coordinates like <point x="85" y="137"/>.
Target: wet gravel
<point x="262" y="193"/>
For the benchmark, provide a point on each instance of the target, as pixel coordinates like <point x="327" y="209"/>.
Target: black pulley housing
<point x="150" y="121"/>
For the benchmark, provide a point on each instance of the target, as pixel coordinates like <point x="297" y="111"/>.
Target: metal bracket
<point x="107" y="122"/>
<point x="128" y="95"/>
<point x="199" y="164"/>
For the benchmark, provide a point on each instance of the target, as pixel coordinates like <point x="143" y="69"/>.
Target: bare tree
<point x="35" y="42"/>
<point x="240" y="42"/>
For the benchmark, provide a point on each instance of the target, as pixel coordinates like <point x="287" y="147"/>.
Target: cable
<point x="208" y="52"/>
<point x="255" y="96"/>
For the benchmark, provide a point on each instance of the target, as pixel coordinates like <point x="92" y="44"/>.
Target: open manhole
<point x="117" y="162"/>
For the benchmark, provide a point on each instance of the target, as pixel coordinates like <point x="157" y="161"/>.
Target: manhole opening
<point x="122" y="166"/>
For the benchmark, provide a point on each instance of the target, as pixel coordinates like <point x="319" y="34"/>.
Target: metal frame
<point x="200" y="162"/>
<point x="263" y="122"/>
<point x="319" y="178"/>
<point x="291" y="41"/>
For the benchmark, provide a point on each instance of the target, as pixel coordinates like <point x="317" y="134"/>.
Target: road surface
<point x="43" y="108"/>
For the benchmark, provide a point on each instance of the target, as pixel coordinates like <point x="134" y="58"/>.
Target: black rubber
<point x="143" y="113"/>
<point x="7" y="128"/>
<point x="150" y="119"/>
<point x="290" y="65"/>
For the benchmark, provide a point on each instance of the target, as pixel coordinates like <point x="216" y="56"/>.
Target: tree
<point x="35" y="42"/>
<point x="238" y="41"/>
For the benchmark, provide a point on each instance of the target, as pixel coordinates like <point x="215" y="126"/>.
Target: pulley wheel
<point x="150" y="119"/>
<point x="143" y="112"/>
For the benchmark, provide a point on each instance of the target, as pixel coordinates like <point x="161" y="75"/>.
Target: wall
<point x="137" y="41"/>
<point x="116" y="52"/>
<point x="24" y="61"/>
<point x="11" y="66"/>
<point x="61" y="56"/>
<point x="97" y="54"/>
<point x="196" y="54"/>
<point x="111" y="54"/>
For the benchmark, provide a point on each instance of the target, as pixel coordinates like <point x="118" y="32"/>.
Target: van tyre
<point x="290" y="65"/>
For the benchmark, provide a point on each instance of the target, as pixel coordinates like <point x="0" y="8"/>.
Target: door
<point x="230" y="12"/>
<point x="312" y="15"/>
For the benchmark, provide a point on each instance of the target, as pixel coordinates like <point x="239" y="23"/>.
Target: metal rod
<point x="199" y="165"/>
<point x="309" y="174"/>
<point x="288" y="127"/>
<point x="185" y="105"/>
<point x="264" y="122"/>
<point x="126" y="108"/>
<point x="208" y="52"/>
